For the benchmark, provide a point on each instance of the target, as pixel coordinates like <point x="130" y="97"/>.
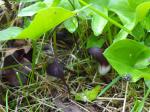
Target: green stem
<point x="7" y="107"/>
<point x="55" y="44"/>
<point x="34" y="43"/>
<point x="141" y="105"/>
<point x="110" y="38"/>
<point x="106" y="17"/>
<point x="109" y="85"/>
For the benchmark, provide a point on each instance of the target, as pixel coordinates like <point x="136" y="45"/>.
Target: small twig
<point x="125" y="98"/>
<point x="108" y="104"/>
<point x="64" y="82"/>
<point x="79" y="106"/>
<point x="107" y="98"/>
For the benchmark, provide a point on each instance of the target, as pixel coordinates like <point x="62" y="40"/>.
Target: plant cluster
<point x="114" y="33"/>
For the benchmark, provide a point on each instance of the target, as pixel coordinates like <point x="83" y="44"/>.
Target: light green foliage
<point x="44" y="21"/>
<point x="138" y="32"/>
<point x="93" y="41"/>
<point x="146" y="22"/>
<point x="127" y="10"/>
<point x="142" y="10"/>
<point x="88" y="95"/>
<point x="32" y="9"/>
<point x="71" y="24"/>
<point x="98" y="23"/>
<point x="9" y="33"/>
<point x="129" y="57"/>
<point x="147" y="82"/>
<point x="36" y="7"/>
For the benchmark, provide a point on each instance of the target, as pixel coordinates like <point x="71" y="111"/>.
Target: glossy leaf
<point x="126" y="15"/>
<point x="103" y="3"/>
<point x="146" y="21"/>
<point x="52" y="3"/>
<point x="98" y="22"/>
<point x="66" y="4"/>
<point x="123" y="34"/>
<point x="138" y="32"/>
<point x="88" y="95"/>
<point x="9" y="33"/>
<point x="45" y="20"/>
<point x="142" y="10"/>
<point x="123" y="10"/>
<point x="135" y="3"/>
<point x="32" y="9"/>
<point x="71" y="24"/>
<point x="70" y="5"/>
<point x="129" y="57"/>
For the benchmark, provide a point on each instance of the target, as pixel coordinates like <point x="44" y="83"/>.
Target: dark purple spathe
<point x="55" y="69"/>
<point x="97" y="53"/>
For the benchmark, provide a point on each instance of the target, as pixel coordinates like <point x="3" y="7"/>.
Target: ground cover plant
<point x="75" y="55"/>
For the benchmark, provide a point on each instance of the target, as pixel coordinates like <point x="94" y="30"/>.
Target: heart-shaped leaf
<point x="88" y="95"/>
<point x="129" y="57"/>
<point x="98" y="22"/>
<point x="45" y="20"/>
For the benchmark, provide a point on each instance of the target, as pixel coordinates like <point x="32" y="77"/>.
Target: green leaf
<point x="88" y="95"/>
<point x="66" y="4"/>
<point x="98" y="22"/>
<point x="135" y="3"/>
<point x="72" y="5"/>
<point x="32" y="9"/>
<point x="45" y="20"/>
<point x="123" y="10"/>
<point x="93" y="41"/>
<point x="52" y="3"/>
<point x="9" y="33"/>
<point x="136" y="105"/>
<point x="126" y="14"/>
<point x="103" y="3"/>
<point x="71" y="24"/>
<point x="141" y="105"/>
<point x="138" y="32"/>
<point x="129" y="57"/>
<point x="123" y="34"/>
<point x="142" y="10"/>
<point x="147" y="82"/>
<point x="146" y="21"/>
<point x="147" y="41"/>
